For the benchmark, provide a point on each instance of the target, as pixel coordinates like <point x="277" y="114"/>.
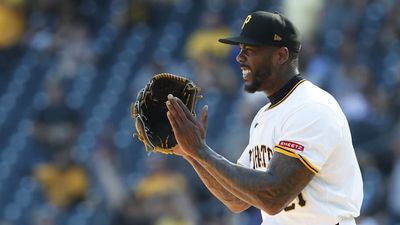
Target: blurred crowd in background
<point x="69" y="70"/>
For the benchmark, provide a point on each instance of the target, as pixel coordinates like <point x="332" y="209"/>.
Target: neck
<point x="281" y="78"/>
<point x="285" y="91"/>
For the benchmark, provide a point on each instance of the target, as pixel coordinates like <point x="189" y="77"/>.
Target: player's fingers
<point x="204" y="117"/>
<point x="180" y="108"/>
<point x="184" y="108"/>
<point x="172" y="121"/>
<point x="176" y="113"/>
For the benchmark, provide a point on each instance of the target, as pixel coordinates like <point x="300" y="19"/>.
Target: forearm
<point x="257" y="188"/>
<point x="216" y="187"/>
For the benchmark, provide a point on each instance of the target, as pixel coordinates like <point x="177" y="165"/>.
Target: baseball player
<point x="299" y="166"/>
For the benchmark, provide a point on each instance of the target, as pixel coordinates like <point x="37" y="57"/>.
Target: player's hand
<point x="178" y="151"/>
<point x="189" y="133"/>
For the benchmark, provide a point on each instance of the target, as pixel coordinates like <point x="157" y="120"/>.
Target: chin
<point x="250" y="88"/>
<point x="255" y="82"/>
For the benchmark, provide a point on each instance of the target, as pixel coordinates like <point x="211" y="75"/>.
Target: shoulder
<point x="311" y="103"/>
<point x="310" y="91"/>
<point x="310" y="97"/>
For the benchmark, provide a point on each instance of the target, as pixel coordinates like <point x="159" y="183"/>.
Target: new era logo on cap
<point x="277" y="37"/>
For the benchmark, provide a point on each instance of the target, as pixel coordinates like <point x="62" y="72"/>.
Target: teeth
<point x="245" y="71"/>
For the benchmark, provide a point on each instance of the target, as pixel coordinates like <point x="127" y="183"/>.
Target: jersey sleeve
<point x="310" y="134"/>
<point x="244" y="159"/>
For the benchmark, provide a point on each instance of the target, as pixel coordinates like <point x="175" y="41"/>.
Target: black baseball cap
<point x="266" y="28"/>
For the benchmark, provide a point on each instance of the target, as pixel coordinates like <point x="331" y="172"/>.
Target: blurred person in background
<point x="55" y="129"/>
<point x="133" y="211"/>
<point x="202" y="41"/>
<point x="71" y="46"/>
<point x="150" y="12"/>
<point x="108" y="169"/>
<point x="164" y="195"/>
<point x="138" y="12"/>
<point x="56" y="126"/>
<point x="64" y="182"/>
<point x="208" y="57"/>
<point x="48" y="21"/>
<point x="12" y="22"/>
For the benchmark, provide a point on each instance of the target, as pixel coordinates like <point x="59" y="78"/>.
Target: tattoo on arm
<point x="292" y="176"/>
<point x="217" y="189"/>
<point x="270" y="191"/>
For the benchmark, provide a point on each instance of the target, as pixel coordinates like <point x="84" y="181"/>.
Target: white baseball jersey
<point x="305" y="122"/>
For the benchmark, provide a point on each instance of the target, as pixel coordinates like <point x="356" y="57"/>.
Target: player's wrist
<point x="203" y="152"/>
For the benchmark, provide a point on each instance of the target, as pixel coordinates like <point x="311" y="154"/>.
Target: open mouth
<point x="246" y="73"/>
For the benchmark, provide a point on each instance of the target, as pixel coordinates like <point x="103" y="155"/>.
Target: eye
<point x="249" y="50"/>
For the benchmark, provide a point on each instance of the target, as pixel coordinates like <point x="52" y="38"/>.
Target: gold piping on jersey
<point x="293" y="154"/>
<point x="285" y="151"/>
<point x="287" y="95"/>
<point x="308" y="164"/>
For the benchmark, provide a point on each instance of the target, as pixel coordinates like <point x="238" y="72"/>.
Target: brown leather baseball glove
<point x="150" y="112"/>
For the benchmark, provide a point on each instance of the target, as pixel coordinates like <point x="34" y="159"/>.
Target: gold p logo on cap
<point x="248" y="18"/>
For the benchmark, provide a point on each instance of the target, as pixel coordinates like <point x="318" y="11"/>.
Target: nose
<point x="240" y="57"/>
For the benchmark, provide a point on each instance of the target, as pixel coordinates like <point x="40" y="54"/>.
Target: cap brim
<point x="239" y="40"/>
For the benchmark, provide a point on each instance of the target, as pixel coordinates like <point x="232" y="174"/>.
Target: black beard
<point x="257" y="82"/>
<point x="254" y="86"/>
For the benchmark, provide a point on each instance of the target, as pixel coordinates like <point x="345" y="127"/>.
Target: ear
<point x="282" y="55"/>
